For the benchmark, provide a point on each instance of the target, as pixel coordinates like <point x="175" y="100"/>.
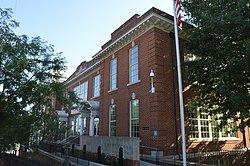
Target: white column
<point x="96" y="125"/>
<point x="82" y="124"/>
<point x="91" y="124"/>
<point x="66" y="131"/>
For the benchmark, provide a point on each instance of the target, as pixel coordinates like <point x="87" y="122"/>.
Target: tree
<point x="219" y="71"/>
<point x="29" y="74"/>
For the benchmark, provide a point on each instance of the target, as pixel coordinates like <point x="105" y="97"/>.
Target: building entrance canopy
<point x="88" y="108"/>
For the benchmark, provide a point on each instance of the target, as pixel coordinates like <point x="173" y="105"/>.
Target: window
<point x="134" y="118"/>
<point x="77" y="91"/>
<point x="82" y="91"/>
<point x="96" y="86"/>
<point x="112" y="120"/>
<point x="113" y="74"/>
<point x="207" y="127"/>
<point x="133" y="64"/>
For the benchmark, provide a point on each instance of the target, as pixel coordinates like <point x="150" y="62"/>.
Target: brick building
<point x="117" y="97"/>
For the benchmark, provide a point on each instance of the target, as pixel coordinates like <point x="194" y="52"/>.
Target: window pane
<point x="112" y="118"/>
<point x="202" y="125"/>
<point x="134" y="118"/>
<point x="215" y="129"/>
<point x="96" y="86"/>
<point x="82" y="91"/>
<point x="133" y="66"/>
<point x="229" y="130"/>
<point x="113" y="73"/>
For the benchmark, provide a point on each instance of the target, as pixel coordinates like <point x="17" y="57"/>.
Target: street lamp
<point x="152" y="90"/>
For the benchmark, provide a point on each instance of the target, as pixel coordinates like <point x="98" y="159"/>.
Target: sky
<point x="77" y="28"/>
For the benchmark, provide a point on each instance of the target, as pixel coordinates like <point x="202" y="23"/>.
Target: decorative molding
<point x="133" y="96"/>
<point x="133" y="44"/>
<point x="153" y="20"/>
<point x="112" y="101"/>
<point x="84" y="73"/>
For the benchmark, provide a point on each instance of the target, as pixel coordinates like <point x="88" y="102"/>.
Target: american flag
<point x="178" y="13"/>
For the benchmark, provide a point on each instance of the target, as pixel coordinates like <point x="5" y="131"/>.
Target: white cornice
<point x="84" y="72"/>
<point x="152" y="20"/>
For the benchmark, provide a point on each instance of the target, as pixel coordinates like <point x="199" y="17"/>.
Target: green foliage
<point x="29" y="76"/>
<point x="220" y="41"/>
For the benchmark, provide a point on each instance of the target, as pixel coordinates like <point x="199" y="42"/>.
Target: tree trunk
<point x="242" y="129"/>
<point x="244" y="138"/>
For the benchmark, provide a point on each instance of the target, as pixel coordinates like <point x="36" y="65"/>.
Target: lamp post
<point x="152" y="89"/>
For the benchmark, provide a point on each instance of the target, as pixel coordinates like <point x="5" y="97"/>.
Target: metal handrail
<point x="65" y="139"/>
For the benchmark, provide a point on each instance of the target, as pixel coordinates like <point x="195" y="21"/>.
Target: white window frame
<point x="112" y="107"/>
<point x="130" y="118"/>
<point x="113" y="74"/>
<point x="84" y="91"/>
<point x="77" y="91"/>
<point x="210" y="120"/>
<point x="133" y="66"/>
<point x="96" y="85"/>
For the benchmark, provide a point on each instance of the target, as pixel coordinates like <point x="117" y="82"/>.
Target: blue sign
<point x="155" y="133"/>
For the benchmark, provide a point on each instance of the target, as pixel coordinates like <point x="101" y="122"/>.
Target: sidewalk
<point x="81" y="162"/>
<point x="144" y="163"/>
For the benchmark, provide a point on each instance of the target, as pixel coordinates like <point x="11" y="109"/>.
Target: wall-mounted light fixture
<point x="152" y="90"/>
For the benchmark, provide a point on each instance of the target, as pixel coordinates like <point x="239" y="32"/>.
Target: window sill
<point x="112" y="90"/>
<point x="95" y="97"/>
<point x="229" y="139"/>
<point x="132" y="83"/>
<point x="210" y="140"/>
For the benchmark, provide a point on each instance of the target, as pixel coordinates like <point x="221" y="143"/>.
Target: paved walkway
<point x="144" y="163"/>
<point x="81" y="162"/>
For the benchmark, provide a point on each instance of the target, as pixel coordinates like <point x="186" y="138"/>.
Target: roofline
<point x="129" y="31"/>
<point x="94" y="66"/>
<point x="157" y="17"/>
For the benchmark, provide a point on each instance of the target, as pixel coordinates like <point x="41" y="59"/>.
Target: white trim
<point x="130" y="54"/>
<point x="111" y="74"/>
<point x="94" y="86"/>
<point x="130" y="103"/>
<point x="132" y="83"/>
<point x="95" y="97"/>
<point x="109" y="119"/>
<point x="112" y="90"/>
<point x="157" y="16"/>
<point x="83" y="72"/>
<point x="130" y="118"/>
<point x="141" y="23"/>
<point x="210" y="128"/>
<point x="209" y="139"/>
<point x="112" y="105"/>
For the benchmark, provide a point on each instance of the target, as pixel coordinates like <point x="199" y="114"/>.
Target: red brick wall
<point x="156" y="110"/>
<point x="159" y="111"/>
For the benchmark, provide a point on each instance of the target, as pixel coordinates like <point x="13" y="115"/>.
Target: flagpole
<point x="180" y="87"/>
